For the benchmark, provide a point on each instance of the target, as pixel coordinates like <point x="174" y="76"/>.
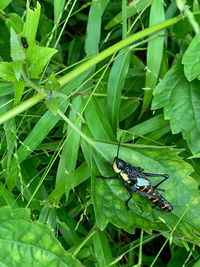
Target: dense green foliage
<point x="94" y="71"/>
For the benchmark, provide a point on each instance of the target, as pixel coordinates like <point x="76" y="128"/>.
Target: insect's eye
<point x="120" y="164"/>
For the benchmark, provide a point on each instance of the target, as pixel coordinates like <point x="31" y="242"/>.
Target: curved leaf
<point x="181" y="102"/>
<point x="191" y="59"/>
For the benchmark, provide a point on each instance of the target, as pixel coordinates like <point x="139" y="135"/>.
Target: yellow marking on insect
<point x="124" y="176"/>
<point x="149" y="197"/>
<point x="154" y="194"/>
<point x="155" y="200"/>
<point x="149" y="190"/>
<point x="164" y="206"/>
<point x="143" y="188"/>
<point x="115" y="167"/>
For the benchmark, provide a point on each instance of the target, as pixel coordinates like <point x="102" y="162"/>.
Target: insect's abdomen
<point x="156" y="198"/>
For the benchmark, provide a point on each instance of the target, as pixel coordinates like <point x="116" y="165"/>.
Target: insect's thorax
<point x="127" y="172"/>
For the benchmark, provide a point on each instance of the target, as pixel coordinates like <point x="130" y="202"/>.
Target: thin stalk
<point x="22" y="107"/>
<point x="140" y="249"/>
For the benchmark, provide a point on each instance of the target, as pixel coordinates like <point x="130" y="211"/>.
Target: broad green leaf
<point x="23" y="247"/>
<point x="191" y="59"/>
<point x="154" y="53"/>
<point x="36" y="59"/>
<point x="132" y="10"/>
<point x="115" y="84"/>
<point x="181" y="102"/>
<point x="180" y="189"/>
<point x="17" y="52"/>
<point x="94" y="26"/>
<point x="97" y="123"/>
<point x="69" y="154"/>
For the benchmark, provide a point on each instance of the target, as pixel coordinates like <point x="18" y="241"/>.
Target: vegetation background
<point x="94" y="71"/>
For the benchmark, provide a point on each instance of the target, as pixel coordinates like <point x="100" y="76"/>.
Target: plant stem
<point x="22" y="107"/>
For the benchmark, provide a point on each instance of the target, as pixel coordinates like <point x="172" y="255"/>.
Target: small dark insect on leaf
<point x="24" y="42"/>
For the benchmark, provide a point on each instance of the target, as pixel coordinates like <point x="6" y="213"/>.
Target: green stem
<point x="22" y="107"/>
<point x="87" y="65"/>
<point x="115" y="48"/>
<point x="140" y="249"/>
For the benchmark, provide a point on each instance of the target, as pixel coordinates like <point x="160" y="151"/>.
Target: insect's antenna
<point x="118" y="146"/>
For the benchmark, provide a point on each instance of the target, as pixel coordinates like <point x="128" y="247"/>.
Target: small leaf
<point x="6" y="72"/>
<point x="19" y="88"/>
<point x="17" y="52"/>
<point x="50" y="87"/>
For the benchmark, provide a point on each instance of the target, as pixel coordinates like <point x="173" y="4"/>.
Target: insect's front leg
<point x="131" y="194"/>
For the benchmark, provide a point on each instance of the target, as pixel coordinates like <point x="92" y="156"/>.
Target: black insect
<point x="135" y="180"/>
<point x="24" y="42"/>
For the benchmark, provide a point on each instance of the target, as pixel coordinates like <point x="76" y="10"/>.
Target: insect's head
<point x="118" y="164"/>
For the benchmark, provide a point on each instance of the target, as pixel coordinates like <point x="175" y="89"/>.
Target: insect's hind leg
<point x="166" y="176"/>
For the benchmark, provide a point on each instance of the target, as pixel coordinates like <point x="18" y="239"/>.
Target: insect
<point x="136" y="180"/>
<point x="24" y="42"/>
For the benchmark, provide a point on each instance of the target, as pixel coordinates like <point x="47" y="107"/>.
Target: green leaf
<point x="58" y="10"/>
<point x="97" y="123"/>
<point x="19" y="89"/>
<point x="154" y="53"/>
<point x="36" y="59"/>
<point x="35" y="137"/>
<point x="50" y="87"/>
<point x="147" y="126"/>
<point x="23" y="247"/>
<point x="191" y="59"/>
<point x="15" y="22"/>
<point x="31" y="24"/>
<point x="115" y="84"/>
<point x="4" y="4"/>
<point x="131" y="11"/>
<point x="17" y="52"/>
<point x="6" y="71"/>
<point x="181" y="101"/>
<point x="94" y="26"/>
<point x="17" y="67"/>
<point x="69" y="154"/>
<point x="102" y="249"/>
<point x="81" y="174"/>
